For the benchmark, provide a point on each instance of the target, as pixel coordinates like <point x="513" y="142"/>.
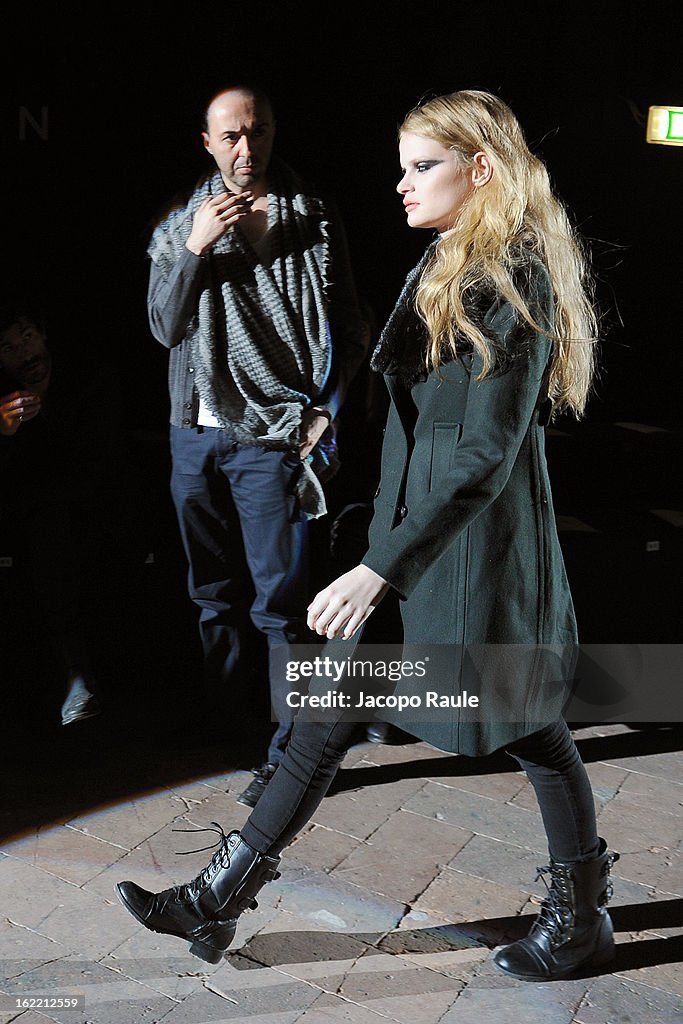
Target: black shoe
<point x="257" y="787"/>
<point x="205" y="910"/>
<point x="385" y="732"/>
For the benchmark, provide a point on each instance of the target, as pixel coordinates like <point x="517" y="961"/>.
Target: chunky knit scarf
<point x="260" y="339"/>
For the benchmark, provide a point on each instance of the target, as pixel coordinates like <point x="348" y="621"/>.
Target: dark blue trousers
<point x="246" y="542"/>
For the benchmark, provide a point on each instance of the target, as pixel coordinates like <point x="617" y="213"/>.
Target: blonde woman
<point x="494" y="334"/>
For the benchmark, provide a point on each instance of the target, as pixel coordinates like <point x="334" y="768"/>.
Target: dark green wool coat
<point x="464" y="528"/>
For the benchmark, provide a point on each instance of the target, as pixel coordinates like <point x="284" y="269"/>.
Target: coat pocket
<point x="444" y="443"/>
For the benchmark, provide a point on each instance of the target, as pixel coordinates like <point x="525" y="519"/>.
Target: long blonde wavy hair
<point x="515" y="213"/>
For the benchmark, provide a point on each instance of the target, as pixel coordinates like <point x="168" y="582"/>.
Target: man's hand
<point x="214" y="218"/>
<point x="345" y="604"/>
<point x="15" y="409"/>
<point x="313" y="425"/>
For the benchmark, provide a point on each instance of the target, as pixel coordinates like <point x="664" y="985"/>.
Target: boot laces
<point x="606" y="896"/>
<point x="220" y="859"/>
<point x="555" y="914"/>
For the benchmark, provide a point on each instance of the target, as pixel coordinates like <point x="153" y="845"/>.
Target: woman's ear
<point x="482" y="169"/>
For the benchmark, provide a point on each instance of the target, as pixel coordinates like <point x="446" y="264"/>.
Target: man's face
<point x="240" y="138"/>
<point x="23" y="354"/>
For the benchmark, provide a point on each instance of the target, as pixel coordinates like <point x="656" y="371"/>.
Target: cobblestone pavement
<point x="413" y="870"/>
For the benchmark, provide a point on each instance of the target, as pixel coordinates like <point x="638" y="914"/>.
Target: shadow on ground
<point x="266" y="950"/>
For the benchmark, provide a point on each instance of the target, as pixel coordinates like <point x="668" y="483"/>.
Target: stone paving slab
<point x="497" y="860"/>
<point x="281" y="1002"/>
<point x="474" y="905"/>
<point x="403" y="991"/>
<point x="108" y="996"/>
<point x="421" y="934"/>
<point x="657" y="865"/>
<point x="390" y="904"/>
<point x="632" y="825"/>
<point x="402" y="856"/>
<point x="167" y="972"/>
<point x="379" y="984"/>
<point x="221" y="807"/>
<point x="26" y="1017"/>
<point x="653" y="792"/>
<point x="328" y="1009"/>
<point x="359" y="814"/>
<point x="665" y="767"/>
<point x="128" y="824"/>
<point x="506" y="787"/>
<point x="480" y="815"/>
<point x="665" y="976"/>
<point x="288" y="939"/>
<point x="487" y="1004"/>
<point x="460" y="964"/>
<point x="65" y="853"/>
<point x="63" y="912"/>
<point x="618" y="999"/>
<point x="22" y="948"/>
<point x="154" y="865"/>
<point x="340" y="905"/>
<point x="493" y="996"/>
<point x="321" y="848"/>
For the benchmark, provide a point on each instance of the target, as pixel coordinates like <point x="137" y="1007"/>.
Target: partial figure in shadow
<point x="492" y="335"/>
<point x="59" y="431"/>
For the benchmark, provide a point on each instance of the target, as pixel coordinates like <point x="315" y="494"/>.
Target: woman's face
<point x="435" y="184"/>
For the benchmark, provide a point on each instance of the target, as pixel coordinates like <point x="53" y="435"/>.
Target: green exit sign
<point x="665" y="126"/>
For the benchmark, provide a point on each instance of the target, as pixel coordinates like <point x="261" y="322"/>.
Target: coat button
<point x="188" y="405"/>
<point x="190" y="369"/>
<point x="403" y="511"/>
<point x="186" y="422"/>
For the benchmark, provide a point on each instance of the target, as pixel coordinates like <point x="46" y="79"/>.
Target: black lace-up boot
<point x="257" y="787"/>
<point x="573" y="928"/>
<point x="205" y="910"/>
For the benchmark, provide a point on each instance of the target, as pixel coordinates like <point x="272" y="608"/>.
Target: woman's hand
<point x="15" y="409"/>
<point x="345" y="605"/>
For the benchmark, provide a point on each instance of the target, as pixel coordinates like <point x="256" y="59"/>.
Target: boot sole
<point x="600" y="958"/>
<point x="224" y="931"/>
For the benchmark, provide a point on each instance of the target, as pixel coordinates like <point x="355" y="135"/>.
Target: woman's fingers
<point x="345" y="604"/>
<point x="323" y="611"/>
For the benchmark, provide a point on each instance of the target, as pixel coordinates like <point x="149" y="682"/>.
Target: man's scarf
<point x="260" y="340"/>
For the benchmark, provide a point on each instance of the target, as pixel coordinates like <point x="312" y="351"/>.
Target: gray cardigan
<point x="171" y="302"/>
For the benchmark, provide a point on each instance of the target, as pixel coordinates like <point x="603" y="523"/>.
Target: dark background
<point x="125" y="95"/>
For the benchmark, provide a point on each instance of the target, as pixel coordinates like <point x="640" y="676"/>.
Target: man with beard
<point x="251" y="291"/>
